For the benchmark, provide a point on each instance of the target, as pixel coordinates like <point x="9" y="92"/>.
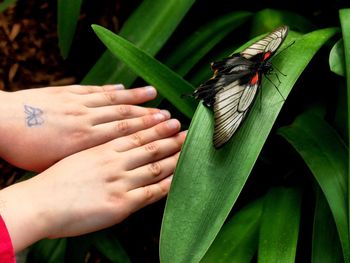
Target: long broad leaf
<point x="48" y="251"/>
<point x="279" y="227"/>
<point x="199" y="43"/>
<point x="169" y="84"/>
<point x="148" y="28"/>
<point x="268" y="19"/>
<point x="192" y="49"/>
<point x="327" y="157"/>
<point x="336" y="58"/>
<point x="109" y="246"/>
<point x="326" y="246"/>
<point x="207" y="182"/>
<point x="5" y="4"/>
<point x="344" y="15"/>
<point x="67" y="15"/>
<point x="237" y="240"/>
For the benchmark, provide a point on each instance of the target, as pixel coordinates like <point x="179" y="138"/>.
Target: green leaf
<point x="237" y="240"/>
<point x="148" y="28"/>
<point x="67" y="15"/>
<point x="204" y="71"/>
<point x="169" y="84"/>
<point x="268" y="19"/>
<point x="78" y="247"/>
<point x="325" y="241"/>
<point x="5" y="4"/>
<point x="280" y="226"/>
<point x="108" y="245"/>
<point x="207" y="182"/>
<point x="336" y="58"/>
<point x="327" y="157"/>
<point x="48" y="251"/>
<point x="192" y="49"/>
<point x="344" y="15"/>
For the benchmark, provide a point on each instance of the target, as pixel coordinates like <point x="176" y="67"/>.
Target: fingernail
<point x="119" y="86"/>
<point x="151" y="91"/>
<point x="170" y="177"/>
<point x="165" y="113"/>
<point x="184" y="133"/>
<point x="173" y="124"/>
<point x="158" y="116"/>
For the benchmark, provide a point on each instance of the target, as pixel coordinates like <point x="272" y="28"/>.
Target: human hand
<point x="95" y="188"/>
<point x="42" y="126"/>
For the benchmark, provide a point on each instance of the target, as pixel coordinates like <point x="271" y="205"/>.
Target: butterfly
<point x="232" y="89"/>
<point x="33" y="116"/>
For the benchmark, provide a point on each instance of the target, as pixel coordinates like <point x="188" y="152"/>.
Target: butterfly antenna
<point x="274" y="67"/>
<point x="289" y="45"/>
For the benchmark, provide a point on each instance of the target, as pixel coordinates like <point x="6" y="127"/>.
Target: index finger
<point x="115" y="97"/>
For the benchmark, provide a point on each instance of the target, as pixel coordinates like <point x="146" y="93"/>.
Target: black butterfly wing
<point x="226" y="71"/>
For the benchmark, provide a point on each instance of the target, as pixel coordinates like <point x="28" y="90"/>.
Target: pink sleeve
<point x="6" y="250"/>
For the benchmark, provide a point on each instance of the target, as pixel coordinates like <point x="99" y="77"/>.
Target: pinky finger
<point x="149" y="194"/>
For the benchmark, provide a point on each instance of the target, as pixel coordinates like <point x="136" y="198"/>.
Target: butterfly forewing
<point x="270" y="43"/>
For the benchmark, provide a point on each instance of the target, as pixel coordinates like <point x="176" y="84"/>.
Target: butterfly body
<point x="233" y="88"/>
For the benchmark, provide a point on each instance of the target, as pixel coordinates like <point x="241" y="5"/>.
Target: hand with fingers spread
<point x="97" y="187"/>
<point x="42" y="126"/>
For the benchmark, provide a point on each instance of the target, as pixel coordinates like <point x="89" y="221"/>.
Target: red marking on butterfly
<point x="267" y="55"/>
<point x="255" y="79"/>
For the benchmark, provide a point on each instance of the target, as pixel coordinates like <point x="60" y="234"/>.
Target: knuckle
<point x="89" y="88"/>
<point x="124" y="110"/>
<point x="110" y="97"/>
<point x="79" y="134"/>
<point x="75" y="111"/>
<point x="161" y="129"/>
<point x="148" y="193"/>
<point x="152" y="148"/>
<point x="147" y="121"/>
<point x="122" y="127"/>
<point x="155" y="169"/>
<point x="136" y="139"/>
<point x="163" y="189"/>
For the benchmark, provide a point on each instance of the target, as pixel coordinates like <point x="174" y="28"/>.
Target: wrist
<point x="22" y="209"/>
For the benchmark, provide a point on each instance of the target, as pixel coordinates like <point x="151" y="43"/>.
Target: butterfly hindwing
<point x="226" y="114"/>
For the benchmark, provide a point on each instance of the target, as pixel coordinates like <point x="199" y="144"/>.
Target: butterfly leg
<point x="276" y="86"/>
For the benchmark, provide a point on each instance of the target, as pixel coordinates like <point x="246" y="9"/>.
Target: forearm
<point x="5" y="119"/>
<point x="11" y="129"/>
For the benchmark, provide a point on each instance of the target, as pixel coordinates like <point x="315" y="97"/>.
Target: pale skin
<point x="102" y="158"/>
